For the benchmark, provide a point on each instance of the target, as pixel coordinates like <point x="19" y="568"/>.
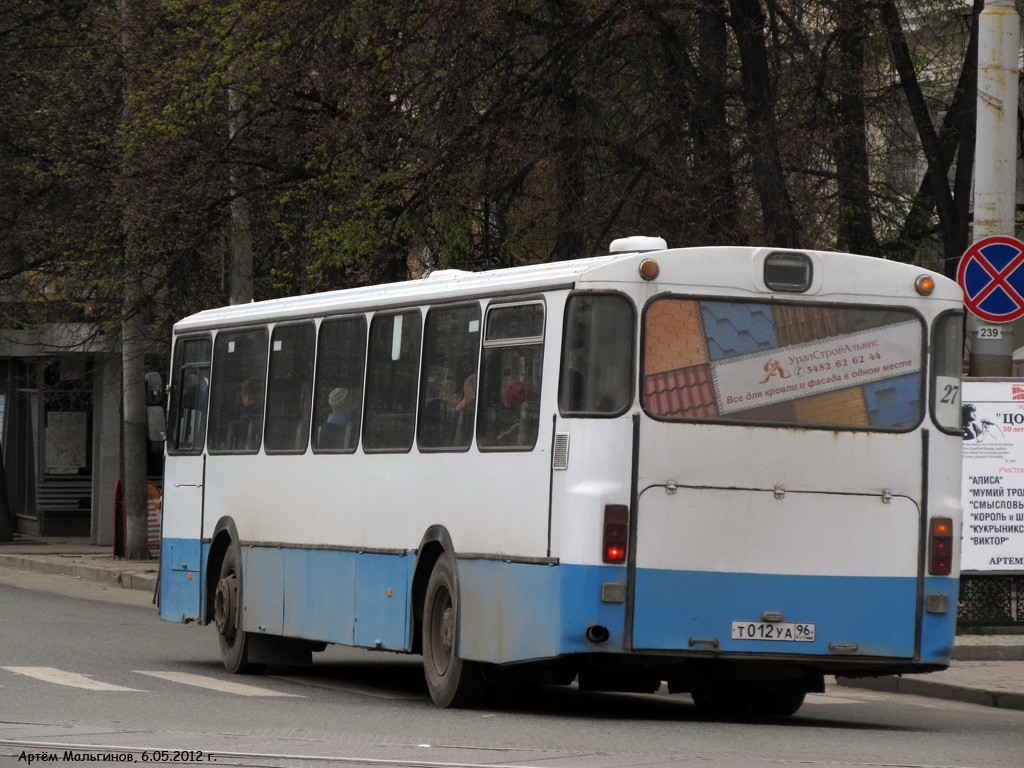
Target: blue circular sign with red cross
<point x="991" y="274"/>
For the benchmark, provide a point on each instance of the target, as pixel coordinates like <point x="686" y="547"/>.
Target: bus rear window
<point x="783" y="364"/>
<point x="597" y="355"/>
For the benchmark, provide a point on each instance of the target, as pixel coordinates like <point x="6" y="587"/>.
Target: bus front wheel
<point x="453" y="681"/>
<point x="234" y="643"/>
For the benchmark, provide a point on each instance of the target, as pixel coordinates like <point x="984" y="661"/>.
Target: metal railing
<point x="991" y="601"/>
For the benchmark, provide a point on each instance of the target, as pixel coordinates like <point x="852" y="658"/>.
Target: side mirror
<point x="154" y="388"/>
<point x="156" y="424"/>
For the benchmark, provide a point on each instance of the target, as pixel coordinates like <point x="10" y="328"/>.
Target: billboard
<point x="993" y="476"/>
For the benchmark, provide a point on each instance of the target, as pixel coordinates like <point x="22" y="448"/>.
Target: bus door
<point x="181" y="555"/>
<point x="773" y="517"/>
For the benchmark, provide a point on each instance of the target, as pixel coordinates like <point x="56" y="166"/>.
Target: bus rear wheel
<point x="734" y="702"/>
<point x="781" y="702"/>
<point x="722" y="702"/>
<point x="234" y="642"/>
<point x="453" y="682"/>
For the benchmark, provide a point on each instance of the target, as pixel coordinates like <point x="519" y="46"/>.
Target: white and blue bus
<point x="734" y="470"/>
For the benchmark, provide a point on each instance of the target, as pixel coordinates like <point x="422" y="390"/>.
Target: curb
<point x="989" y="652"/>
<point x="1001" y="700"/>
<point x="145" y="582"/>
<point x="127" y="579"/>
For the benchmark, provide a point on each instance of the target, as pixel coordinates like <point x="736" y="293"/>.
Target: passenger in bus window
<point x="462" y="413"/>
<point x="336" y="429"/>
<point x="252" y="407"/>
<point x="244" y="432"/>
<point x="508" y="420"/>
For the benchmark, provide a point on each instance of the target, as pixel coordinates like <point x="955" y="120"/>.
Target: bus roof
<point x="439" y="285"/>
<point x="696" y="267"/>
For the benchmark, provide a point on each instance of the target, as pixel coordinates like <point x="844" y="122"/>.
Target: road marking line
<point x="73" y="679"/>
<point x="224" y="686"/>
<point x="363" y="690"/>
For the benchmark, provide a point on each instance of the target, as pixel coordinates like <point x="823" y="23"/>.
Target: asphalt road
<point x="93" y="671"/>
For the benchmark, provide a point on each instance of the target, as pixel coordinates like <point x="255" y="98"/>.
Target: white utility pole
<point x="995" y="163"/>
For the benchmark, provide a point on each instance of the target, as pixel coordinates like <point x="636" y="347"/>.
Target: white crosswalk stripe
<point x="86" y="682"/>
<point x="212" y="683"/>
<point x="73" y="679"/>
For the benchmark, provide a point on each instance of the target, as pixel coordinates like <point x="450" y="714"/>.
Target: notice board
<point x="993" y="476"/>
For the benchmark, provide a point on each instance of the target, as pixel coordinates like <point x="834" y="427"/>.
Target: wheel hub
<point x="448" y="629"/>
<point x="225" y="605"/>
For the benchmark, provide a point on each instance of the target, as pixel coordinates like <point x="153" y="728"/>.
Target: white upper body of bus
<point x="733" y="271"/>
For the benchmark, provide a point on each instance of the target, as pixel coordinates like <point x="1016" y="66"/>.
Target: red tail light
<point x="940" y="547"/>
<point x="616" y="533"/>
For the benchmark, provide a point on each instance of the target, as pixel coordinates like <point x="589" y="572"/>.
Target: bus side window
<point x="391" y="382"/>
<point x="947" y="356"/>
<point x="236" y="403"/>
<point x="290" y="388"/>
<point x="337" y="408"/>
<point x="451" y="353"/>
<point x="510" y="377"/>
<point x="191" y="395"/>
<point x="597" y="355"/>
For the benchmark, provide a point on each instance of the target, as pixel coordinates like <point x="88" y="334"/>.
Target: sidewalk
<point x="986" y="669"/>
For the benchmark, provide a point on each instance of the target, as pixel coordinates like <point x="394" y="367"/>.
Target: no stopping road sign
<point x="991" y="274"/>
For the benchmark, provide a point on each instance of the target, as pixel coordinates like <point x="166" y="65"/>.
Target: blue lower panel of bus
<point x="518" y="612"/>
<point x="352" y="598"/>
<point x="513" y="612"/>
<point x="862" y="616"/>
<point x="180" y="582"/>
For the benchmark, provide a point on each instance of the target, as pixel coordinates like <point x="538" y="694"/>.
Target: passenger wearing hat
<point x="331" y="433"/>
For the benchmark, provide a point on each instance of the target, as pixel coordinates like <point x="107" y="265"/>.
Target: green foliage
<point x="366" y="140"/>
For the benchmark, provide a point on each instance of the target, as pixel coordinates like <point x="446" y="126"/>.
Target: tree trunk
<point x="713" y="161"/>
<point x="952" y="205"/>
<point x="569" y="141"/>
<point x="570" y="178"/>
<point x="956" y="141"/>
<point x="781" y="227"/>
<point x="856" y="231"/>
<point x="240" y="271"/>
<point x="958" y="236"/>
<point x="133" y="320"/>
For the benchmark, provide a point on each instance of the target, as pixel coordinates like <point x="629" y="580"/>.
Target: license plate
<point x="770" y="630"/>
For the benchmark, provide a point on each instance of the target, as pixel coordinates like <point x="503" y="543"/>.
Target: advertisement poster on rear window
<point x="993" y="484"/>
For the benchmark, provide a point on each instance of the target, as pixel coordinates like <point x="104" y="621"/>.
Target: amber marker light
<point x="649" y="269"/>
<point x="925" y="285"/>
